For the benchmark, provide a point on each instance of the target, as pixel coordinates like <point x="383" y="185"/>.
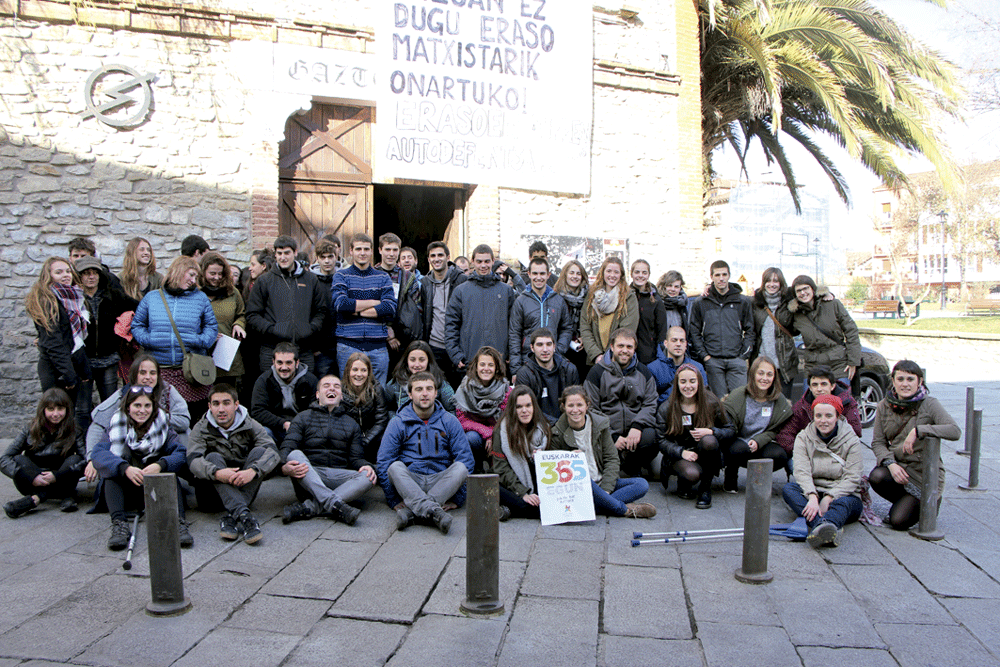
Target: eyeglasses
<point x="140" y="389"/>
<point x="803" y="288"/>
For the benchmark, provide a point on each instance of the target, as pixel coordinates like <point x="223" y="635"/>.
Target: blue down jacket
<point x="195" y="321"/>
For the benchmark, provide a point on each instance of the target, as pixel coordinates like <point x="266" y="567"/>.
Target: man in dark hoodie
<point x="229" y="455"/>
<point x="286" y="304"/>
<point x="283" y="391"/>
<point x="547" y="373"/>
<point x="621" y="388"/>
<point x="424" y="458"/>
<point x="324" y="456"/>
<point x="536" y="307"/>
<point x="435" y="290"/>
<point x="721" y="330"/>
<point x="478" y="312"/>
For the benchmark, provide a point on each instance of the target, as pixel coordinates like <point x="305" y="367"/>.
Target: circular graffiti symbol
<point x="106" y="100"/>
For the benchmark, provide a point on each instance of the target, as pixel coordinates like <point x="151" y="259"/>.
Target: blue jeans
<point x="627" y="490"/>
<point x="478" y="447"/>
<point x="379" y="358"/>
<point x="842" y="511"/>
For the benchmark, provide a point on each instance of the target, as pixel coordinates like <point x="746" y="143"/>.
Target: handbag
<point x="198" y="368"/>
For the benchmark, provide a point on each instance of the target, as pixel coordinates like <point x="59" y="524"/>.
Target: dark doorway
<point x="417" y="214"/>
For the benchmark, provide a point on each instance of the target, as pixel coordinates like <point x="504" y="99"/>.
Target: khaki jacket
<point x="817" y="468"/>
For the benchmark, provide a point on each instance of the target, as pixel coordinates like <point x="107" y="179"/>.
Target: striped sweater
<point x="351" y="285"/>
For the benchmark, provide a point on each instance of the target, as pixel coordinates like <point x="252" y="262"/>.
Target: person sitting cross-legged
<point x="324" y="455"/>
<point x="229" y="455"/>
<point x="424" y="458"/>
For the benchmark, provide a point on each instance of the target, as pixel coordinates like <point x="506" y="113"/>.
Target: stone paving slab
<point x="450" y="591"/>
<point x="291" y="616"/>
<point x="717" y="597"/>
<point x="645" y="602"/>
<point x="980" y="618"/>
<point x="941" y="570"/>
<point x="82" y="618"/>
<point x="917" y="645"/>
<point x="820" y="656"/>
<point x="642" y="652"/>
<point x="447" y="641"/>
<point x="237" y="646"/>
<point x="733" y="645"/>
<point x="858" y="547"/>
<point x="621" y="551"/>
<point x="343" y="641"/>
<point x="516" y="538"/>
<point x="403" y="572"/>
<point x="890" y="594"/>
<point x="323" y="569"/>
<point x="821" y="613"/>
<point x="591" y="531"/>
<point x="532" y="627"/>
<point x="565" y="569"/>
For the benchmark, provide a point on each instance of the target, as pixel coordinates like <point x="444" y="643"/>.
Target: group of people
<point x="359" y="374"/>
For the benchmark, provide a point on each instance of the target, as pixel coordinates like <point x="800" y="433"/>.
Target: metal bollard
<point x="482" y="547"/>
<point x="756" y="523"/>
<point x="930" y="496"/>
<point x="166" y="577"/>
<point x="970" y="406"/>
<point x="976" y="449"/>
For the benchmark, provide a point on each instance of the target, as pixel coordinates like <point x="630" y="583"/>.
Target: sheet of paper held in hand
<point x="564" y="487"/>
<point x="225" y="351"/>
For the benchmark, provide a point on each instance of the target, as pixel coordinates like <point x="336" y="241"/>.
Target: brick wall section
<point x="264" y="197"/>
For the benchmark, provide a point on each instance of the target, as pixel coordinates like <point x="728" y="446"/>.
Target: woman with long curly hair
<point x="480" y="400"/>
<point x="610" y="305"/>
<point x="139" y="276"/>
<point x="58" y="307"/>
<point x="521" y="431"/>
<point x="417" y="358"/>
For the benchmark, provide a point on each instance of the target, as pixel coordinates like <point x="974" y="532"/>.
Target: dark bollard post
<point x="166" y="577"/>
<point x="482" y="547"/>
<point x="976" y="449"/>
<point x="930" y="496"/>
<point x="970" y="406"/>
<point x="756" y="523"/>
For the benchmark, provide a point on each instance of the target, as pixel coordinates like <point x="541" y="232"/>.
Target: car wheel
<point x="871" y="394"/>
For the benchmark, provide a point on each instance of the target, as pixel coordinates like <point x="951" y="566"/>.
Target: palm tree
<point x="775" y="69"/>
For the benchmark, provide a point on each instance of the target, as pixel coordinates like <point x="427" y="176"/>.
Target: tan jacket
<point x="817" y="468"/>
<point x="590" y="326"/>
<point x="891" y="429"/>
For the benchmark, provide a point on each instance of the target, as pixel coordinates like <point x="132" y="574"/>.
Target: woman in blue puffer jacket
<point x="195" y="320"/>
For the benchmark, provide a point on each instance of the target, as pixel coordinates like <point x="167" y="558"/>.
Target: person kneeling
<point x="424" y="458"/>
<point x="324" y="455"/>
<point x="827" y="472"/>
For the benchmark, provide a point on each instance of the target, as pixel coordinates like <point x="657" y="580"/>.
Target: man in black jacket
<point x="324" y="456"/>
<point x="286" y="304"/>
<point x="435" y="290"/>
<point x="283" y="391"/>
<point x="721" y="332"/>
<point x="547" y="373"/>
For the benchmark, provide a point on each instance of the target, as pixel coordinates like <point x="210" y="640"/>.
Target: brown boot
<point x="640" y="511"/>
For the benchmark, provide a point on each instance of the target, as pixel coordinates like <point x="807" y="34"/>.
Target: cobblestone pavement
<point x="321" y="593"/>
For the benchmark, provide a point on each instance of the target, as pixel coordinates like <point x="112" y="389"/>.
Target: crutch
<point x="127" y="565"/>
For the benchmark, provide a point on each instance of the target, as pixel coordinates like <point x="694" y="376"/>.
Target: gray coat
<point x="478" y="315"/>
<point x="530" y="313"/>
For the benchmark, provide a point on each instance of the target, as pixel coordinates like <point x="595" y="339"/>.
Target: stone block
<point x="516" y="539"/>
<point x="35" y="154"/>
<point x="43" y="170"/>
<point x="302" y="577"/>
<point x="343" y="641"/>
<point x="819" y="656"/>
<point x="804" y="607"/>
<point x="548" y="574"/>
<point x="240" y="646"/>
<point x="272" y="613"/>
<point x="108" y="171"/>
<point x="154" y="186"/>
<point x="31" y="184"/>
<point x="155" y="213"/>
<point x="979" y="618"/>
<point x="594" y="531"/>
<point x="69" y="210"/>
<point x="640" y="652"/>
<point x="645" y="602"/>
<point x="732" y="644"/>
<point x="404" y="571"/>
<point x="450" y="591"/>
<point x="716" y="595"/>
<point x="12" y="254"/>
<point x="470" y="643"/>
<point x="531" y="629"/>
<point x="890" y="594"/>
<point x="106" y="199"/>
<point x="912" y="644"/>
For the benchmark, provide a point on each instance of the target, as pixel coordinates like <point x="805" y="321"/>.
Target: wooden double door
<point x="325" y="174"/>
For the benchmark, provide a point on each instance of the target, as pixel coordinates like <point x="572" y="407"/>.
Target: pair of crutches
<point x="796" y="530"/>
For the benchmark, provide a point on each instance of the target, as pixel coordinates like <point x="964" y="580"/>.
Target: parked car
<point x="874" y="382"/>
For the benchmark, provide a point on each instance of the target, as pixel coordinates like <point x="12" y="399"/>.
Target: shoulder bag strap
<point x="170" y="315"/>
<point x="777" y="323"/>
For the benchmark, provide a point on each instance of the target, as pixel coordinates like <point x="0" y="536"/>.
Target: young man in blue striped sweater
<point x="363" y="299"/>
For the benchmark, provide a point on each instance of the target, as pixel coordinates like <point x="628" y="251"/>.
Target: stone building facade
<point x="205" y="160"/>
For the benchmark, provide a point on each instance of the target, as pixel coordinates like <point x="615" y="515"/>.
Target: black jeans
<point x="67" y="472"/>
<point x="122" y="496"/>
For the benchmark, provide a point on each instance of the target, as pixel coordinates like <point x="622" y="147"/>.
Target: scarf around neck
<point x="522" y="467"/>
<point x="474" y="399"/>
<point x="72" y="299"/>
<point x="605" y="302"/>
<point x="900" y="405"/>
<point x="125" y="443"/>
